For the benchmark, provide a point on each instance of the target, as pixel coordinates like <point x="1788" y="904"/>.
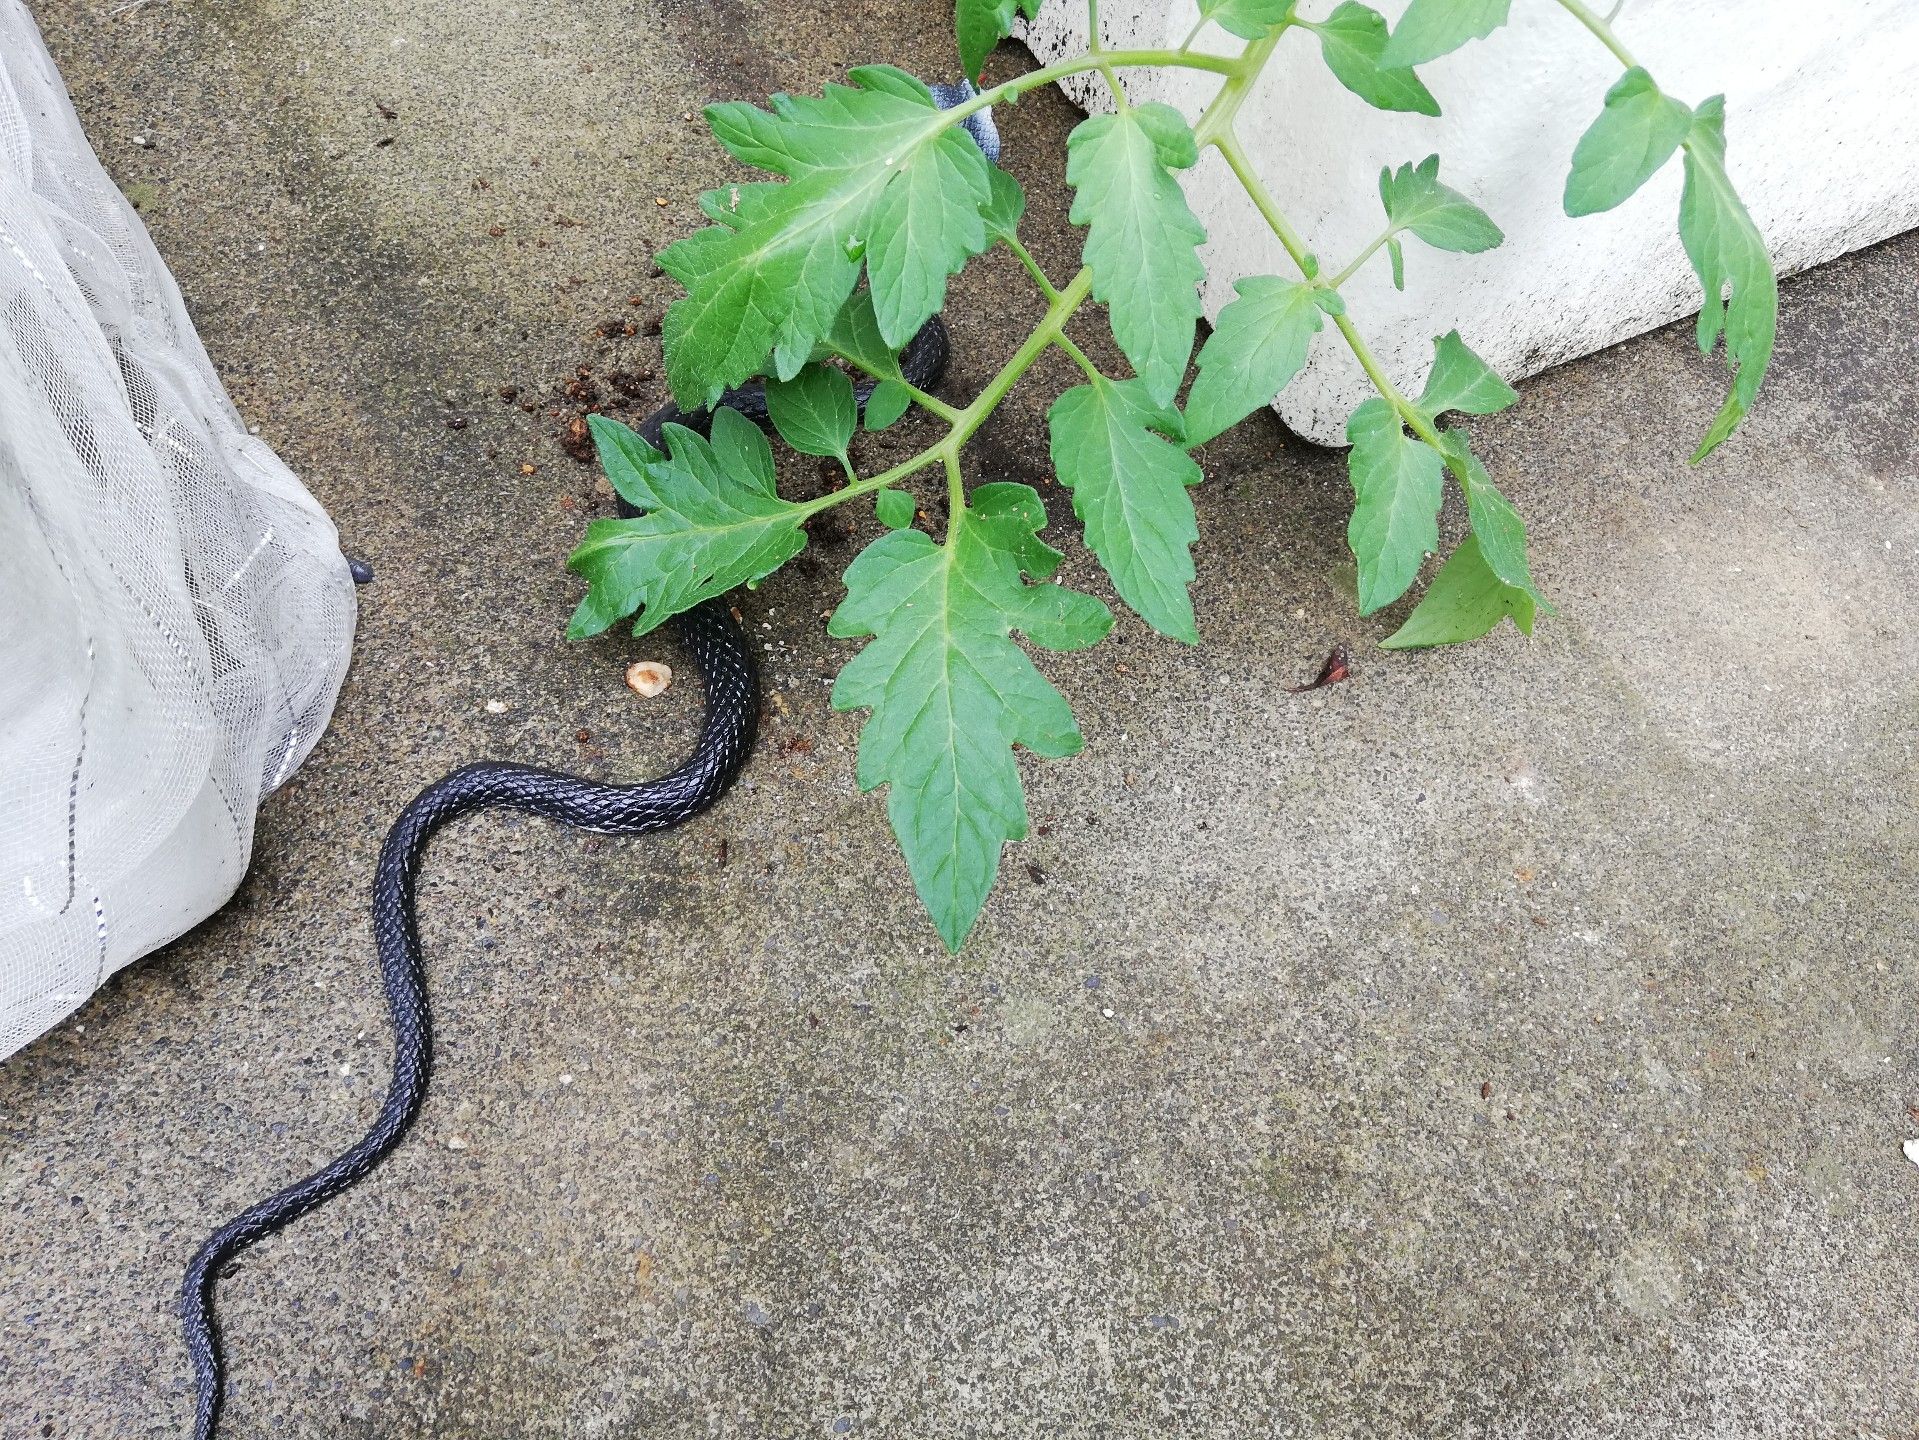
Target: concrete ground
<point x="1512" y="1042"/>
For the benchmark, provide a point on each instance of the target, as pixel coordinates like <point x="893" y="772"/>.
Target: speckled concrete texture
<point x="1511" y="1042"/>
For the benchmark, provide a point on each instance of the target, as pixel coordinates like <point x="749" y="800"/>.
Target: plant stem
<point x="965" y="423"/>
<point x="1235" y="155"/>
<point x="1079" y="357"/>
<point x="932" y="404"/>
<point x="1334" y="282"/>
<point x="1601" y="28"/>
<point x="1047" y="288"/>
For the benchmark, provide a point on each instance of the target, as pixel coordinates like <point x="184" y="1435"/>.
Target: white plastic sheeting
<point x="1822" y="138"/>
<point x="175" y="614"/>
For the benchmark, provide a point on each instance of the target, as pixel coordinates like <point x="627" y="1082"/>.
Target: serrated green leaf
<point x="1502" y="534"/>
<point x="1465" y="600"/>
<point x="1397" y="485"/>
<point x="925" y="226"/>
<point x="951" y="693"/>
<point x="1396" y="253"/>
<point x="716" y="524"/>
<point x="1726" y="249"/>
<point x="1248" y="19"/>
<point x="1635" y="134"/>
<point x="1257" y="346"/>
<point x="1007" y="206"/>
<point x="889" y="400"/>
<point x="627" y="460"/>
<point x="1460" y="380"/>
<point x="815" y="411"/>
<point x="1351" y="40"/>
<point x="1129" y="491"/>
<point x="982" y="24"/>
<point x="1436" y="213"/>
<point x="876" y="174"/>
<point x="895" y="509"/>
<point x="1431" y="28"/>
<point x="1143" y="239"/>
<point x="855" y="337"/>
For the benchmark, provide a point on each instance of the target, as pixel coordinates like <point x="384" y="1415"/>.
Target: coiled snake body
<point x="712" y="638"/>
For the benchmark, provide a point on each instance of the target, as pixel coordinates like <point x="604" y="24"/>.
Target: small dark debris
<point x="383" y="142"/>
<point x="1485" y="1089"/>
<point x="720" y="853"/>
<point x="1338" y="667"/>
<point x="583" y="736"/>
<point x="457" y="422"/>
<point x="1035" y="874"/>
<point x="798" y="745"/>
<point x="361" y="572"/>
<point x="509" y="392"/>
<point x="577" y="440"/>
<point x="387" y="112"/>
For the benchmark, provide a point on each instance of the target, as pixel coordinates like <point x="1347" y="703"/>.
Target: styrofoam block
<point x="1822" y="139"/>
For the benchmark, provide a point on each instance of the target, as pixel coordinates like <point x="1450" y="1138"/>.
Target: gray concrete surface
<point x="1513" y="1042"/>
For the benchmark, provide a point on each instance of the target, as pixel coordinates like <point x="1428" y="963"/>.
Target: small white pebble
<point x="648" y="678"/>
<point x="566" y="1079"/>
<point x="1107" y="1012"/>
<point x="497" y="707"/>
<point x="1911" y="1148"/>
<point x="347" y="1069"/>
<point x="454" y="1142"/>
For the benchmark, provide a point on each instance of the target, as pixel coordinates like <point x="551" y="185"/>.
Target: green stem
<point x="932" y="404"/>
<point x="946" y="450"/>
<point x="1601" y="28"/>
<point x="1079" y="356"/>
<point x="1235" y="155"/>
<point x="1047" y="288"/>
<point x="1334" y="282"/>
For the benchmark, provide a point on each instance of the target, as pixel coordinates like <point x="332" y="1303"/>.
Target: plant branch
<point x="1047" y="287"/>
<point x="1602" y="28"/>
<point x="1359" y="260"/>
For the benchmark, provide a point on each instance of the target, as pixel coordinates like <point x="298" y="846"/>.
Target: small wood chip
<point x="648" y="678"/>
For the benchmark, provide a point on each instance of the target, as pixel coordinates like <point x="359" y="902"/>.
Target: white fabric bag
<point x="175" y="614"/>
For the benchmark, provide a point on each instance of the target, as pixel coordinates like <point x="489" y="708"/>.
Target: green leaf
<point x="1129" y="491"/>
<point x="1460" y="380"/>
<point x="1502" y="534"/>
<point x="982" y="24"/>
<point x="1465" y="600"/>
<point x="1431" y="28"/>
<point x="627" y="460"/>
<point x="1143" y="241"/>
<point x="714" y="523"/>
<point x="1726" y="249"/>
<point x="1396" y="252"/>
<point x="877" y="175"/>
<point x="1351" y="40"/>
<point x="1007" y="205"/>
<point x="1257" y="346"/>
<point x="890" y="400"/>
<point x="895" y="509"/>
<point x="950" y="692"/>
<point x="1633" y="137"/>
<point x="1248" y="19"/>
<point x="855" y="337"/>
<point x="1436" y="213"/>
<point x="1398" y="484"/>
<point x="815" y="411"/>
<point x="926" y="225"/>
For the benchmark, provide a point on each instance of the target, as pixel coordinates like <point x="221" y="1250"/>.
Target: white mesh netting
<point x="175" y="614"/>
